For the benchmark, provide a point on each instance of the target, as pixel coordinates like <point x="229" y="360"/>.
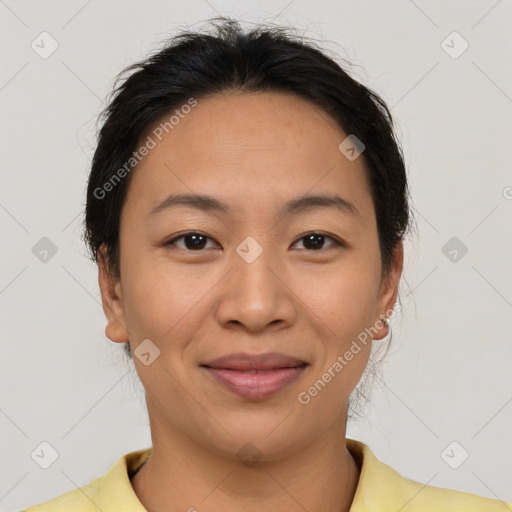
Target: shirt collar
<point x="114" y="491"/>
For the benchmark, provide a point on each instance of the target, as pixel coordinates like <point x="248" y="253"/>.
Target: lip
<point x="247" y="362"/>
<point x="255" y="377"/>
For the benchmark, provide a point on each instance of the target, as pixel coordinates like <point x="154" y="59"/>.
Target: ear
<point x="389" y="290"/>
<point x="112" y="301"/>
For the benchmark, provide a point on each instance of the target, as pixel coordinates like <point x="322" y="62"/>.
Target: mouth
<point x="255" y="377"/>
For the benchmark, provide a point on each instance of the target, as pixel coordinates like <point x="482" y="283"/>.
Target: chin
<point x="258" y="435"/>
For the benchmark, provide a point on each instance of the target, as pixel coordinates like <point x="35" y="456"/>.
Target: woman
<point x="247" y="206"/>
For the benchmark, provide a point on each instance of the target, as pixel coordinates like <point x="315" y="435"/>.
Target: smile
<point x="255" y="377"/>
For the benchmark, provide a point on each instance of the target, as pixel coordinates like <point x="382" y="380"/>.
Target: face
<point x="284" y="284"/>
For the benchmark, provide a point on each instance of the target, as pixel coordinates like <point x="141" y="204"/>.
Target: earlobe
<point x="111" y="299"/>
<point x="389" y="293"/>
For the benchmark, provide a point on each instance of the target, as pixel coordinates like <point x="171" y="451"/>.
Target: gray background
<point x="447" y="377"/>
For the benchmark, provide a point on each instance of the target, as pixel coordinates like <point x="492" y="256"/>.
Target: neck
<point x="181" y="475"/>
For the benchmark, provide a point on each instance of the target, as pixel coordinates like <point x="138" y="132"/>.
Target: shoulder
<point x="113" y="491"/>
<point x="78" y="500"/>
<point x="417" y="497"/>
<point x="382" y="489"/>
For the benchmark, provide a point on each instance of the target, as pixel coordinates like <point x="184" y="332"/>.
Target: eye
<point x="193" y="241"/>
<point x="315" y="241"/>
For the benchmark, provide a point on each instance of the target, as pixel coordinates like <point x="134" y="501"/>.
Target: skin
<point x="254" y="152"/>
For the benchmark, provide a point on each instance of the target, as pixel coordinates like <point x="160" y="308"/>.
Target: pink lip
<point x="255" y="377"/>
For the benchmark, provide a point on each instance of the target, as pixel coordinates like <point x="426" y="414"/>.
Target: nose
<point x="255" y="295"/>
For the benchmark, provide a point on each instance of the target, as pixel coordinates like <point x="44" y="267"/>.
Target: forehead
<point x="246" y="147"/>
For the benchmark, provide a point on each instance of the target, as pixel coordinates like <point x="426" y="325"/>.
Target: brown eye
<point x="316" y="241"/>
<point x="192" y="241"/>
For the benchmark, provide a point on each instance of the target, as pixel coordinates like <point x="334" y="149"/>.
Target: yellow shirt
<point x="380" y="489"/>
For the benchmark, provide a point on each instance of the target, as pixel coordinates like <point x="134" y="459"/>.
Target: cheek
<point x="343" y="305"/>
<point x="157" y="298"/>
<point x="343" y="312"/>
<point x="345" y="297"/>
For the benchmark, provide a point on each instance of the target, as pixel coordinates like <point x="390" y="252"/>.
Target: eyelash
<point x="334" y="240"/>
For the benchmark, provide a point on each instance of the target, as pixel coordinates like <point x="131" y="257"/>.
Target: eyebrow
<point x="210" y="204"/>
